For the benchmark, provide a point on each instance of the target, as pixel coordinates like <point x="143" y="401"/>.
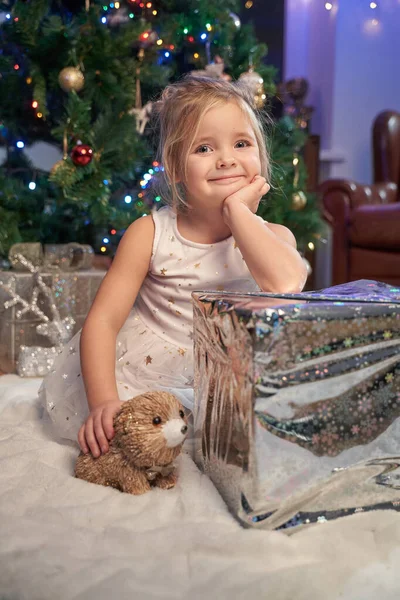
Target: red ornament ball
<point x="81" y="155"/>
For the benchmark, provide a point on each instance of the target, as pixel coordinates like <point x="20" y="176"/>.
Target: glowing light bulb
<point x="373" y="5"/>
<point x="311" y="246"/>
<point x="328" y="5"/>
<point x="128" y="199"/>
<point x="32" y="185"/>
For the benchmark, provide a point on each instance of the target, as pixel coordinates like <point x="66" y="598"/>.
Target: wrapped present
<point x="297" y="399"/>
<point x="23" y="331"/>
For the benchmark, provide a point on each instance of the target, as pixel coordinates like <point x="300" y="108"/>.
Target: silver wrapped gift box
<point x="297" y="400"/>
<point x="73" y="293"/>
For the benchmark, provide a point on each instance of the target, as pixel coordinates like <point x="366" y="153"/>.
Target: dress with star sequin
<point x="155" y="345"/>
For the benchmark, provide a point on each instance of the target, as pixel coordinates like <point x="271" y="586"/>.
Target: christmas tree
<point x="82" y="76"/>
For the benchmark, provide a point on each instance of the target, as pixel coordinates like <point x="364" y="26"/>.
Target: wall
<point x="352" y="67"/>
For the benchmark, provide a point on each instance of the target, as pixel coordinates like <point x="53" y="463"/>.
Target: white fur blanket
<point x="67" y="539"/>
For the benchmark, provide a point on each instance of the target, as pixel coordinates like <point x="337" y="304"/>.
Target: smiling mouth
<point x="226" y="179"/>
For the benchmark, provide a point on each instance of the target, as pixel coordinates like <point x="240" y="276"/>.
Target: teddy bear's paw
<point x="166" y="483"/>
<point x="137" y="487"/>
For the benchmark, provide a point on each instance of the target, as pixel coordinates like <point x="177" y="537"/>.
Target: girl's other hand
<point x="98" y="429"/>
<point x="249" y="195"/>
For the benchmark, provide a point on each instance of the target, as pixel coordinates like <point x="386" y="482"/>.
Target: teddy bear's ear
<point x="123" y="418"/>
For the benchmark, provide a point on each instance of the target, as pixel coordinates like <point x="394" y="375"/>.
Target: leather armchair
<point x="365" y="219"/>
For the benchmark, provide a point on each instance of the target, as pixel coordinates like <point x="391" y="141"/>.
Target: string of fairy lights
<point x="119" y="12"/>
<point x="114" y="13"/>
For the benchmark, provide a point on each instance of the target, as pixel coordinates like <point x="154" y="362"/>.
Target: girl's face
<point x="223" y="158"/>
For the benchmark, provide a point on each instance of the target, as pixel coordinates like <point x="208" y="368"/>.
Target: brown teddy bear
<point x="149" y="432"/>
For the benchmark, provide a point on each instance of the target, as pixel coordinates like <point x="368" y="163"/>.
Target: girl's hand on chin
<point x="249" y="195"/>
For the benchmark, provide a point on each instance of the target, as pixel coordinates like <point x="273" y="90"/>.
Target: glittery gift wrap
<point x="73" y="292"/>
<point x="297" y="399"/>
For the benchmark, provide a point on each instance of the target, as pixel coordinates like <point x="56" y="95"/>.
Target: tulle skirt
<point x="144" y="361"/>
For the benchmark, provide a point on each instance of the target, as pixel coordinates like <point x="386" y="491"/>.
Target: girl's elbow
<point x="288" y="287"/>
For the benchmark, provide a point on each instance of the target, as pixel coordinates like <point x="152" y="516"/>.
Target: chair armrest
<point x="339" y="198"/>
<point x="349" y="195"/>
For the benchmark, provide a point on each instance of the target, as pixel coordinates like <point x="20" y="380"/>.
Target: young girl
<point x="138" y="333"/>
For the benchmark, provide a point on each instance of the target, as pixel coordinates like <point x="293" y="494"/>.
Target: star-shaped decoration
<point x="197" y="265"/>
<point x="181" y="351"/>
<point x="235" y="245"/>
<point x="172" y="238"/>
<point x="163" y="271"/>
<point x="122" y="355"/>
<point x="171" y="300"/>
<point x="148" y="360"/>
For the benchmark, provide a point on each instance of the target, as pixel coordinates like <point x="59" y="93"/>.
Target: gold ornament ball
<point x="299" y="200"/>
<point x="70" y="79"/>
<point x="307" y="265"/>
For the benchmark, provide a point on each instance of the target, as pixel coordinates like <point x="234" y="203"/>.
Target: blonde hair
<point x="180" y="110"/>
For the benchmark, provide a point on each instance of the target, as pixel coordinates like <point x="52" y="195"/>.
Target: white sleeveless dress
<point x="154" y="347"/>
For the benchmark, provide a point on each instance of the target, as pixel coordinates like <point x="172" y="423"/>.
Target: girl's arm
<point x="109" y="311"/>
<point x="269" y="250"/>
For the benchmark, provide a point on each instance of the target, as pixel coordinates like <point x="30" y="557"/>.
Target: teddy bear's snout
<point x="174" y="431"/>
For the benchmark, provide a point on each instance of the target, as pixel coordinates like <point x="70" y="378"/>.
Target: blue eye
<point x="243" y="144"/>
<point x="202" y="149"/>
